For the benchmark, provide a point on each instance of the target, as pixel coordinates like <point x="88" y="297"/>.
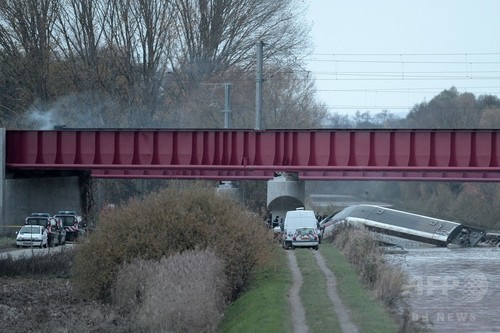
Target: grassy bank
<point x="265" y="308"/>
<point x="368" y="314"/>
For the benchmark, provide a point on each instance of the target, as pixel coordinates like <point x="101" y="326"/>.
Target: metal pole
<point x="227" y="106"/>
<point x="258" y="87"/>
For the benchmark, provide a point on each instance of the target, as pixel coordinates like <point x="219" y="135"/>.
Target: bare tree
<point x="216" y="35"/>
<point x="490" y="118"/>
<point x="81" y="30"/>
<point x="112" y="58"/>
<point x="25" y="52"/>
<point x="29" y="24"/>
<point x="337" y="120"/>
<point x="139" y="37"/>
<point x="290" y="100"/>
<point x="117" y="51"/>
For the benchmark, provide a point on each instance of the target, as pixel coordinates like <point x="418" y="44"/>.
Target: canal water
<point x="453" y="290"/>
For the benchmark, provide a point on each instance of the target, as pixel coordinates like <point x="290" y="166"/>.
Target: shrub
<point x="181" y="293"/>
<point x="363" y="251"/>
<point x="390" y="284"/>
<point x="386" y="280"/>
<point x="57" y="264"/>
<point x="7" y="240"/>
<point x="167" y="223"/>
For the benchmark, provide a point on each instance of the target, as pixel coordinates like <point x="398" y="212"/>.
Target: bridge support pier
<point x="23" y="194"/>
<point x="229" y="189"/>
<point x="2" y="177"/>
<point x="284" y="192"/>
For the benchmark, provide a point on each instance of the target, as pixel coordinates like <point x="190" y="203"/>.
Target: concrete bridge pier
<point x="2" y="176"/>
<point x="284" y="192"/>
<point x="26" y="193"/>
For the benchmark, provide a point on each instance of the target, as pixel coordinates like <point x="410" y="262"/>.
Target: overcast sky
<point x="392" y="54"/>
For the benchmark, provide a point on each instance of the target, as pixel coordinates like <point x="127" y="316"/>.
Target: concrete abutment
<point x="21" y="195"/>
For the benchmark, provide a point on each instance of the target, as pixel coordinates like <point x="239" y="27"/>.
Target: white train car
<point x="405" y="225"/>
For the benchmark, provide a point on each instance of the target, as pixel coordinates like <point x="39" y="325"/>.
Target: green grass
<point x="264" y="306"/>
<point x="320" y="315"/>
<point x="368" y="314"/>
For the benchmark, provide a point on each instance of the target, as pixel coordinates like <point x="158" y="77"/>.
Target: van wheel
<point x="316" y="248"/>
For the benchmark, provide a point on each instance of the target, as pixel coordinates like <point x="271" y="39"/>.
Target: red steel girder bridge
<point x="233" y="154"/>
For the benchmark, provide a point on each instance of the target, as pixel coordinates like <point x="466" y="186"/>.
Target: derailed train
<point x="395" y="224"/>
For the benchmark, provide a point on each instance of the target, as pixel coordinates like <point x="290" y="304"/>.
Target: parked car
<point x="51" y="224"/>
<point x="32" y="235"/>
<point x="72" y="223"/>
<point x="305" y="237"/>
<point x="295" y="219"/>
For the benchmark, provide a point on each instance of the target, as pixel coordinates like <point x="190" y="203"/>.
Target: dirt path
<point x="298" y="312"/>
<point x="343" y="313"/>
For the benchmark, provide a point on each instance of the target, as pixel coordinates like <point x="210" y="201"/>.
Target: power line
<point x="366" y="107"/>
<point x="411" y="78"/>
<point x="399" y="72"/>
<point x="396" y="91"/>
<point x="407" y="54"/>
<point x="406" y="62"/>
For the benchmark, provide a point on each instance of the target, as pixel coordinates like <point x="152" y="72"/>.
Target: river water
<point x="454" y="290"/>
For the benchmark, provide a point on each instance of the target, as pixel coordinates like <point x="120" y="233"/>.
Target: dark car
<point x="72" y="224"/>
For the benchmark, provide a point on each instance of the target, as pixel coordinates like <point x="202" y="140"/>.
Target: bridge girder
<point x="229" y="154"/>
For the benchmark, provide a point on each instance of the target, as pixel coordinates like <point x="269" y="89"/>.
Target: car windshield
<point x="37" y="221"/>
<point x="30" y="229"/>
<point x="67" y="220"/>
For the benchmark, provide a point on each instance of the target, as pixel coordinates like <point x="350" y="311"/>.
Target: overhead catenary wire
<point x="372" y="81"/>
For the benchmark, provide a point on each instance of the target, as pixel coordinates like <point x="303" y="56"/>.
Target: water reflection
<point x="456" y="290"/>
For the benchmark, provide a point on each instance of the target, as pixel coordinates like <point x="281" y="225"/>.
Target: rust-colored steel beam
<point x="223" y="154"/>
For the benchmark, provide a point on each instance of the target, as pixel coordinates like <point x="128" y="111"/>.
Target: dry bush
<point x="390" y="284"/>
<point x="167" y="223"/>
<point x="386" y="280"/>
<point x="56" y="264"/>
<point x="181" y="293"/>
<point x="363" y="251"/>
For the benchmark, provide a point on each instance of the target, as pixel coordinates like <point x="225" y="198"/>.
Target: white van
<point x="294" y="219"/>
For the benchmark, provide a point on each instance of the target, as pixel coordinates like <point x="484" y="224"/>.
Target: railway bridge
<point x="46" y="167"/>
